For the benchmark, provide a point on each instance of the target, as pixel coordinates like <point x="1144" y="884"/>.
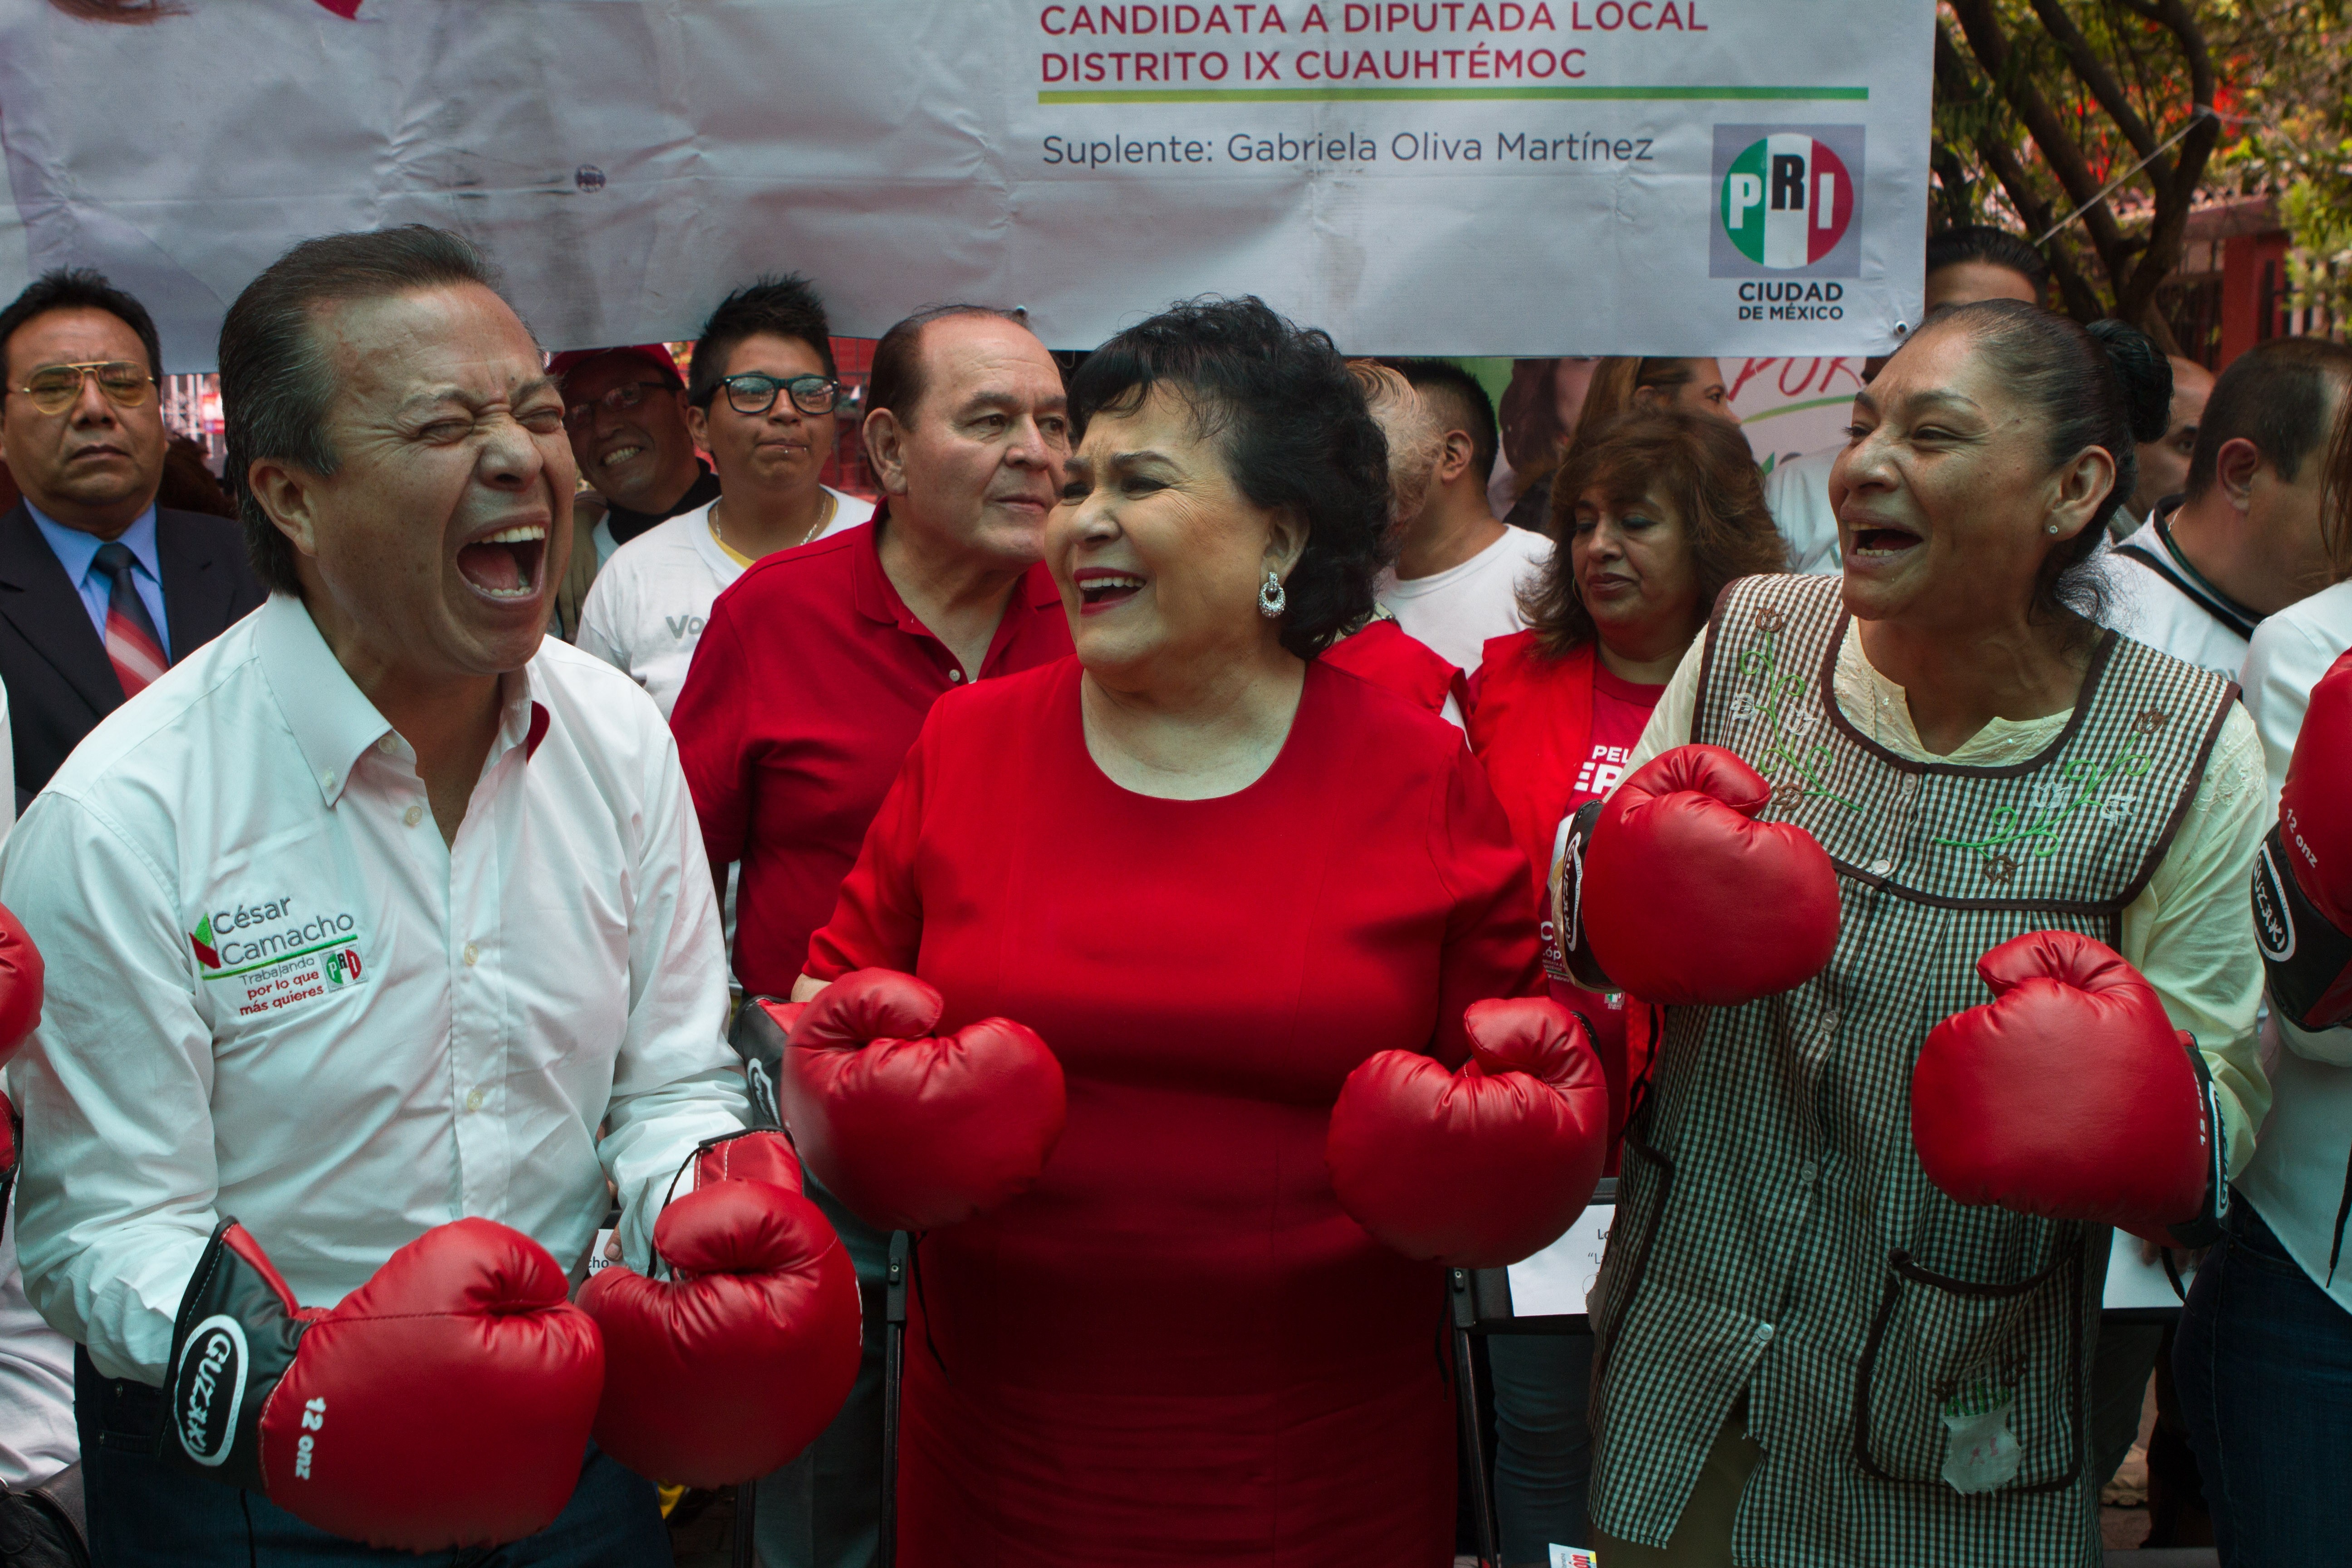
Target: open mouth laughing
<point x="505" y="565"/>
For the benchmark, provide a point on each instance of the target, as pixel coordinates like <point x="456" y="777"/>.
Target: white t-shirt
<point x="646" y="611"/>
<point x="2287" y="654"/>
<point x="1797" y="493"/>
<point x="2170" y="607"/>
<point x="1456" y="610"/>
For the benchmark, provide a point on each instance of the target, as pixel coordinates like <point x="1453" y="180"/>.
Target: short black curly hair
<point x="1293" y="429"/>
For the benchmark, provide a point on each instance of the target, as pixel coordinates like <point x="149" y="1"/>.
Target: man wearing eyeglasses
<point x="760" y="403"/>
<point x="625" y="411"/>
<point x="100" y="590"/>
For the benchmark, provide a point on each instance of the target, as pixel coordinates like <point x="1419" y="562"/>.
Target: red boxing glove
<point x="1481" y="1167"/>
<point x="2070" y="1095"/>
<point x="914" y="1133"/>
<point x="443" y="1404"/>
<point x="2303" y="878"/>
<point x="1686" y="899"/>
<point x="733" y="1365"/>
<point x="20" y="985"/>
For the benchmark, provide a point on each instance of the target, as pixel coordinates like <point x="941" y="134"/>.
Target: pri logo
<point x="344" y="967"/>
<point x="201" y="939"/>
<point x="1787" y="201"/>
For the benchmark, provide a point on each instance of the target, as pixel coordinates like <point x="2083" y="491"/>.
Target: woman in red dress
<point x="1215" y="876"/>
<point x="1653" y="514"/>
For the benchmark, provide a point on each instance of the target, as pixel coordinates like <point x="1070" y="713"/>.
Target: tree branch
<point x="2093" y="74"/>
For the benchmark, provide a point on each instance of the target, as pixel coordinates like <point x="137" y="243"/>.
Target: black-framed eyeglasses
<point x="54" y="387"/>
<point x="754" y="392"/>
<point x="619" y="399"/>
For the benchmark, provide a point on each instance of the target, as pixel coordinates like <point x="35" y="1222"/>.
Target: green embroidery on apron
<point x="1779" y="692"/>
<point x="2034" y="829"/>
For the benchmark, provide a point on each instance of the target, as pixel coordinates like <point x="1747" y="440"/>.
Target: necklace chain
<point x="832" y="506"/>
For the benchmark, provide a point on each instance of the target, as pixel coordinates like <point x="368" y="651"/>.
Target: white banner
<point x="1734" y="177"/>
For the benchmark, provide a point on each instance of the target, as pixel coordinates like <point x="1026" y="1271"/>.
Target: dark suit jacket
<point x="60" y="682"/>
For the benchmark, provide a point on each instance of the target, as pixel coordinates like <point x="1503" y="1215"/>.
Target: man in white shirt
<point x="1964" y="264"/>
<point x="2244" y="540"/>
<point x="40" y="1473"/>
<point x="760" y="403"/>
<point x="1459" y="571"/>
<point x="380" y="912"/>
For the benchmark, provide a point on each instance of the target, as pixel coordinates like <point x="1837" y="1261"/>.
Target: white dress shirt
<point x="36" y="1418"/>
<point x="276" y="994"/>
<point x="2284" y="659"/>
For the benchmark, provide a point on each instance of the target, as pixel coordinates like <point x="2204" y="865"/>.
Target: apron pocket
<point x="1974" y="1386"/>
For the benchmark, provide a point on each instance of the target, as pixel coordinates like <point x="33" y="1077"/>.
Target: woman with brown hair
<point x="1619" y="385"/>
<point x="1652" y="517"/>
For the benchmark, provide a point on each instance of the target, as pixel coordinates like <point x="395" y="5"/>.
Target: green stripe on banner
<point x="1457" y="94"/>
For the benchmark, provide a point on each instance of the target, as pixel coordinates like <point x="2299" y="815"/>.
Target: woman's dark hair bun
<point x="2143" y="372"/>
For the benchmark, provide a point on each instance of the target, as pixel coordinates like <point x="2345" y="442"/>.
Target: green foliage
<point x="2039" y="104"/>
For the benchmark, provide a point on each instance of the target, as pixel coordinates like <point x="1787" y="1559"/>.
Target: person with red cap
<point x="760" y="403"/>
<point x="624" y="409"/>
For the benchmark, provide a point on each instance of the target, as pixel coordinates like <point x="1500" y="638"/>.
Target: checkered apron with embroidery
<point x="1774" y="1232"/>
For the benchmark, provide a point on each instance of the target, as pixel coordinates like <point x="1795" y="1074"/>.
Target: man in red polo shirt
<point x="804" y="695"/>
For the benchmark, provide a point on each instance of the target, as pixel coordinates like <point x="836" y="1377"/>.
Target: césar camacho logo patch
<point x="264" y="956"/>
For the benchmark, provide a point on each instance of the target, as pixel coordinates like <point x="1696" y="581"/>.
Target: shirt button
<point x="413" y="815"/>
<point x="1881" y="866"/>
<point x="955" y="675"/>
<point x="326" y="779"/>
<point x="387" y="743"/>
<point x="474" y="1100"/>
<point x="473" y="954"/>
<point x="1806" y="1172"/>
<point x="1763" y="1331"/>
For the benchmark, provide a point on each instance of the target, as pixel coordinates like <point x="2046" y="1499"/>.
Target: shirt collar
<point x="77" y="551"/>
<point x="878" y="597"/>
<point x="332" y="720"/>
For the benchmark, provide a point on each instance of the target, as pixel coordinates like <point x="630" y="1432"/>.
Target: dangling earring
<point x="1271" y="599"/>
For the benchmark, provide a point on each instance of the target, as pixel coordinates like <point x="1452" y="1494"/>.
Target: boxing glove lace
<point x="445" y="1404"/>
<point x="1686" y="899"/>
<point x="914" y="1133"/>
<point x="2070" y="1096"/>
<point x="1481" y="1167"/>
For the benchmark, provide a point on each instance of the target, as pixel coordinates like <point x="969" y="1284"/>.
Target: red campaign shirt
<point x="808" y="687"/>
<point x="1554" y="733"/>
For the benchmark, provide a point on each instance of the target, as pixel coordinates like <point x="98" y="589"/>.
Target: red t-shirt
<point x="810" y="683"/>
<point x="1554" y="733"/>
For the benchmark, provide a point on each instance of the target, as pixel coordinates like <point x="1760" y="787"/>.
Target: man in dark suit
<point x="100" y="590"/>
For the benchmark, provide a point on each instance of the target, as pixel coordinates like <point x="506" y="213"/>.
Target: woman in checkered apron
<point x="1802" y="1341"/>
